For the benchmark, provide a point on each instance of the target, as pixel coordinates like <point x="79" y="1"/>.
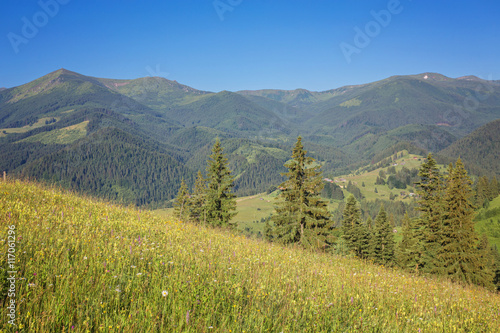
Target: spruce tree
<point x="483" y="192"/>
<point x="382" y="240"/>
<point x="430" y="192"/>
<point x="369" y="224"/>
<point x="496" y="267"/>
<point x="301" y="216"/>
<point x="494" y="188"/>
<point x="354" y="232"/>
<point x="181" y="203"/>
<point x="197" y="213"/>
<point x="406" y="250"/>
<point x="488" y="258"/>
<point x="220" y="203"/>
<point x="459" y="255"/>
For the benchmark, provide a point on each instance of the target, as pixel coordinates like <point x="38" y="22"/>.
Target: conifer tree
<point x="354" y="232"/>
<point x="181" y="203"/>
<point x="459" y="255"/>
<point x="382" y="240"/>
<point x="220" y="203"/>
<point x="483" y="192"/>
<point x="392" y="221"/>
<point x="487" y="255"/>
<point x="197" y="213"/>
<point x="496" y="267"/>
<point x="494" y="188"/>
<point x="301" y="216"/>
<point x="406" y="250"/>
<point x="430" y="192"/>
<point x="369" y="224"/>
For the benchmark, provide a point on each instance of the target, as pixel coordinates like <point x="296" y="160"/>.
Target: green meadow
<point x="84" y="265"/>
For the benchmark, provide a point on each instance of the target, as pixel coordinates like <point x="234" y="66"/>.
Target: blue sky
<point x="249" y="44"/>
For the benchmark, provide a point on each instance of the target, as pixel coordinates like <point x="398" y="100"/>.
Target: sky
<point x="249" y="44"/>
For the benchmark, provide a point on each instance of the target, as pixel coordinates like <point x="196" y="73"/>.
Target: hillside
<point x="101" y="164"/>
<point x="480" y="148"/>
<point x="57" y="92"/>
<point x="488" y="222"/>
<point x="343" y="128"/>
<point x="89" y="265"/>
<point x="400" y="101"/>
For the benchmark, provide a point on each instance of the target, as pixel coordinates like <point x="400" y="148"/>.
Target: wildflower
<point x="139" y="274"/>
<point x="85" y="258"/>
<point x="164" y="293"/>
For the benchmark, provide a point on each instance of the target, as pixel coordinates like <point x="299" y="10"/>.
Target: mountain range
<point x="134" y="140"/>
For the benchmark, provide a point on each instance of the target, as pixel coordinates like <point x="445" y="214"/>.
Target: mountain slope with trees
<point x="480" y="148"/>
<point x="345" y="128"/>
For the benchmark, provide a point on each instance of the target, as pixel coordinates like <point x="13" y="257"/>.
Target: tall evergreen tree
<point x="369" y="224"/>
<point x="181" y="203"/>
<point x="220" y="203"/>
<point x="487" y="255"/>
<point x="197" y="213"/>
<point x="496" y="268"/>
<point x="354" y="232"/>
<point x="459" y="255"/>
<point x="494" y="188"/>
<point x="407" y="250"/>
<point x="301" y="216"/>
<point x="382" y="240"/>
<point x="483" y="192"/>
<point x="430" y="192"/>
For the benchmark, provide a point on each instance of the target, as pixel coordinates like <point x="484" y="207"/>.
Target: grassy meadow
<point x="84" y="265"/>
<point x="488" y="222"/>
<point x="38" y="124"/>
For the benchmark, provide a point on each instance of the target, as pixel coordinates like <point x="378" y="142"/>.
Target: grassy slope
<point x="409" y="161"/>
<point x="62" y="136"/>
<point x="251" y="209"/>
<point x="90" y="265"/>
<point x="39" y="123"/>
<point x="490" y="225"/>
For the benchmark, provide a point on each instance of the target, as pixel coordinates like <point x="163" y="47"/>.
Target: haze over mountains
<point x="134" y="140"/>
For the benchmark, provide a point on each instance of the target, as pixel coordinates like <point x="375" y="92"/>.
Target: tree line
<point x="439" y="240"/>
<point x="211" y="201"/>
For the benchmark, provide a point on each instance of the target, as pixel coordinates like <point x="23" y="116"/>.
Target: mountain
<point x="297" y="98"/>
<point x="127" y="168"/>
<point x="58" y="92"/>
<point x="45" y="123"/>
<point x="155" y="92"/>
<point x="47" y="120"/>
<point x="480" y="148"/>
<point x="342" y="116"/>
<point x="457" y="105"/>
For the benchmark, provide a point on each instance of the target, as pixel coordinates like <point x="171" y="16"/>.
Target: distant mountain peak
<point x="470" y="78"/>
<point x="431" y="76"/>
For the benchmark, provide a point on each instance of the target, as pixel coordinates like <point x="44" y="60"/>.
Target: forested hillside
<point x="114" y="165"/>
<point x="41" y="122"/>
<point x="481" y="148"/>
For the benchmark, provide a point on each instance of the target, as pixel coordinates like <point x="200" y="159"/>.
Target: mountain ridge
<point x="345" y="127"/>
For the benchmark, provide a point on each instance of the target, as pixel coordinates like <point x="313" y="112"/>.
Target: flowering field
<point x="83" y="265"/>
